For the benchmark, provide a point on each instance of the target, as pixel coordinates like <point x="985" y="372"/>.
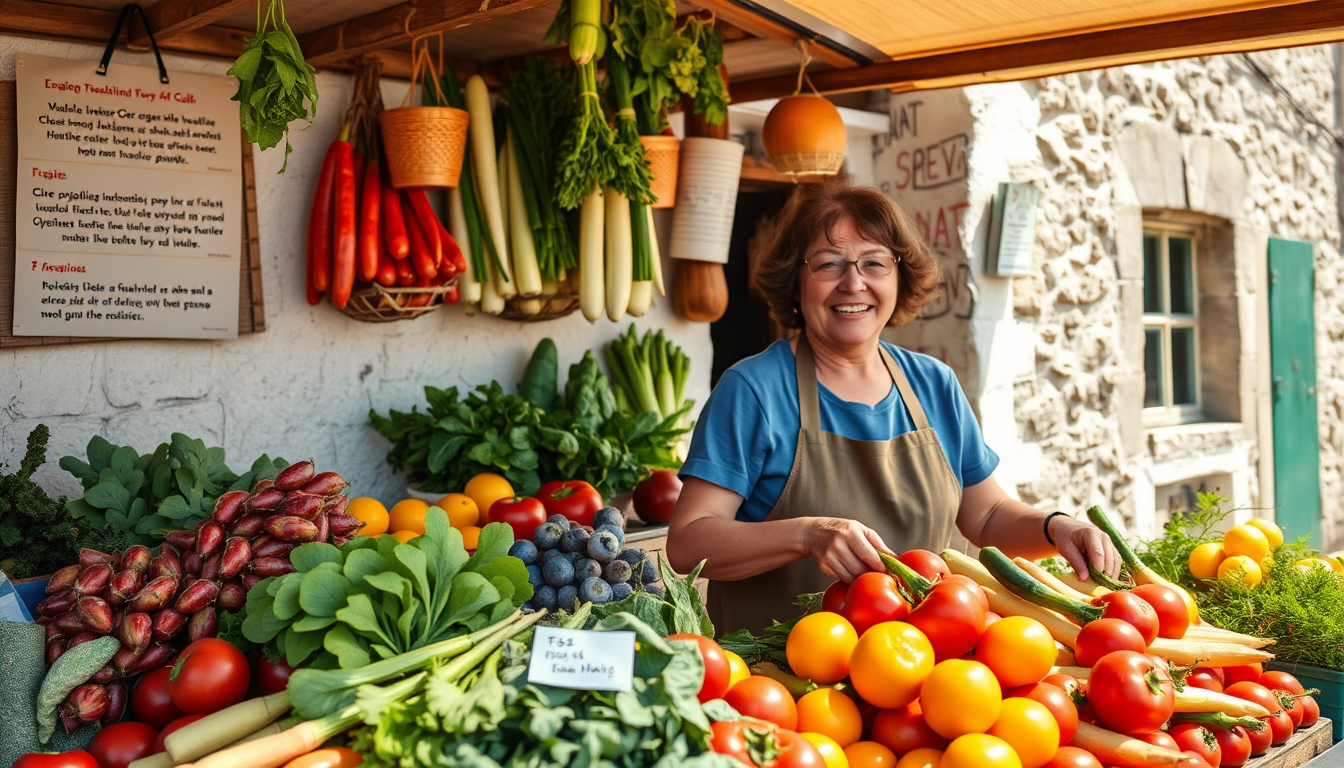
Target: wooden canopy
<point x="853" y="44"/>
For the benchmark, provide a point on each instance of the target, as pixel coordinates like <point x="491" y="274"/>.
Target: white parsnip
<point x="655" y="255"/>
<point x="592" y="259"/>
<point x="485" y="172"/>
<point x="641" y="298"/>
<point x="526" y="271"/>
<point x="620" y="254"/>
<point x="457" y="221"/>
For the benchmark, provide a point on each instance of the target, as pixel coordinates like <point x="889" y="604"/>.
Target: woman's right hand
<point x="844" y="549"/>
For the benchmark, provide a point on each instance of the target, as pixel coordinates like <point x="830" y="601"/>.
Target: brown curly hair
<point x="815" y="209"/>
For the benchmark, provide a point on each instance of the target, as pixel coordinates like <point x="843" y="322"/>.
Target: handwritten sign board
<point x="128" y="206"/>
<point x="1012" y="230"/>
<point x="582" y="659"/>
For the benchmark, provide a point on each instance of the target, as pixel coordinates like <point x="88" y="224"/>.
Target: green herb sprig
<point x="668" y="63"/>
<point x="273" y="81"/>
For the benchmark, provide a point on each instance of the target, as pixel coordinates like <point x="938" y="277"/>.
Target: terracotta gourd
<point x="804" y="134"/>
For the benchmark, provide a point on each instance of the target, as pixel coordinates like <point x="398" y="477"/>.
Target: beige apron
<point x="902" y="488"/>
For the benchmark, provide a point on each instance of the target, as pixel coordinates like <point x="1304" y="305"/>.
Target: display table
<point x="1301" y="749"/>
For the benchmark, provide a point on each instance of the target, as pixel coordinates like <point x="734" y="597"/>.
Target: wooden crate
<point x="1305" y="745"/>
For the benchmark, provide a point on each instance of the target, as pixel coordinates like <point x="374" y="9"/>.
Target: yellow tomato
<point x="869" y="754"/>
<point x="485" y="489"/>
<point x="1205" y="559"/>
<point x="924" y="757"/>
<point x="371" y="513"/>
<point x="831" y="753"/>
<point x="470" y="535"/>
<point x="737" y="669"/>
<point x="820" y="646"/>
<point x="961" y="697"/>
<point x="1246" y="540"/>
<point x="1240" y="568"/>
<point x="403" y="536"/>
<point x="1029" y="729"/>
<point x="1309" y="563"/>
<point x="1273" y="533"/>
<point x="890" y="663"/>
<point x="461" y="509"/>
<point x="831" y="713"/>
<point x="1019" y="650"/>
<point x="408" y="515"/>
<point x="980" y="750"/>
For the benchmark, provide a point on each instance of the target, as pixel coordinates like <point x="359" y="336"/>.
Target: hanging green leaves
<point x="273" y="81"/>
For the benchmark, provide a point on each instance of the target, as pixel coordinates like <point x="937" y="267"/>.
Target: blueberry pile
<point x="568" y="563"/>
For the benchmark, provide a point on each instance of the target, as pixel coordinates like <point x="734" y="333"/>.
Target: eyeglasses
<point x="830" y="267"/>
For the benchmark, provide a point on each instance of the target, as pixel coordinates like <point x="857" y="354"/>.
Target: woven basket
<point x="552" y="308"/>
<point x="374" y="303"/>
<point x="664" y="154"/>
<point x="808" y="163"/>
<point x="424" y="145"/>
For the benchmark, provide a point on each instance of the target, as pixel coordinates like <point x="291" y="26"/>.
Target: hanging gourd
<point x="804" y="134"/>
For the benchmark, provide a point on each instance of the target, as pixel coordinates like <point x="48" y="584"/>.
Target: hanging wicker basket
<point x="374" y="303"/>
<point x="664" y="154"/>
<point x="519" y="309"/>
<point x="424" y="145"/>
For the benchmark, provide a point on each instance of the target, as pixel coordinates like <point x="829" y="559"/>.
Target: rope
<point x="805" y="54"/>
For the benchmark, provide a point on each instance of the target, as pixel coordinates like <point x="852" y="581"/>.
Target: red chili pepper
<point x="387" y="268"/>
<point x="421" y="299"/>
<point x="452" y="253"/>
<point x="394" y="223"/>
<point x="453" y="295"/>
<point x="343" y="246"/>
<point x="422" y="258"/>
<point x="319" y="226"/>
<point x="370" y="204"/>
<point x="405" y="273"/>
<point x="428" y="221"/>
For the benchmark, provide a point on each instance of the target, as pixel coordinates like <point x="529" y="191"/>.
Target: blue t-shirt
<point x="747" y="435"/>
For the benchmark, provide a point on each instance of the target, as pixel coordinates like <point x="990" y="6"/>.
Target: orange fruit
<point x="408" y="515"/>
<point x="1246" y="540"/>
<point x="461" y="509"/>
<point x="371" y="513"/>
<point x="869" y="754"/>
<point x="1273" y="533"/>
<point x="403" y="536"/>
<point x="470" y="535"/>
<point x="1240" y="568"/>
<point x="830" y="713"/>
<point x="924" y="757"/>
<point x="1205" y="559"/>
<point x="832" y="756"/>
<point x="485" y="489"/>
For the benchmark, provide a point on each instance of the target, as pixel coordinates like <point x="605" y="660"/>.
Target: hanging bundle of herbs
<point x="273" y="80"/>
<point x="633" y="177"/>
<point x="667" y="63"/>
<point x="590" y="151"/>
<point x="540" y="108"/>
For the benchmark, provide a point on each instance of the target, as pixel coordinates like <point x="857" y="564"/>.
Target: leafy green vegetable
<point x="1169" y="554"/>
<point x="490" y="431"/>
<point x="681" y="610"/>
<point x="143" y="497"/>
<point x="493" y="717"/>
<point x="668" y="62"/>
<point x="273" y="81"/>
<point x="378" y="598"/>
<point x="36" y="533"/>
<point x="770" y="645"/>
<point x="540" y="380"/>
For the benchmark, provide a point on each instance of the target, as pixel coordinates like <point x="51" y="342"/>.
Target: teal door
<point x="1292" y="346"/>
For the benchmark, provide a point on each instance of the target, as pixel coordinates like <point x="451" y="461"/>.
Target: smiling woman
<point x="814" y="456"/>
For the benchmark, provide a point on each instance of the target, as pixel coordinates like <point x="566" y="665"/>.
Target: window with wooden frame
<point x="1170" y="326"/>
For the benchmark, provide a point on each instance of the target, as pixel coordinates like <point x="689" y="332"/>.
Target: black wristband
<point x="1046" y="526"/>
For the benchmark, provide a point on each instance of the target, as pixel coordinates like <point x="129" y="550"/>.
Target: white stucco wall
<point x="303" y="388"/>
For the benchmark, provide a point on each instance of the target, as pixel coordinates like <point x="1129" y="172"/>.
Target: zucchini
<point x="1021" y="583"/>
<point x="1218" y="720"/>
<point x="1142" y="573"/>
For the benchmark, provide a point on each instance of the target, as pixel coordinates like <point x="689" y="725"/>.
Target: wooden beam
<point x="172" y="17"/>
<point x="400" y="24"/>
<point x="66" y="22"/>
<point x="759" y="26"/>
<point x="1311" y="23"/>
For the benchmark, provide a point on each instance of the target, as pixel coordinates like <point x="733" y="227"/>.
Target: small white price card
<point x="582" y="659"/>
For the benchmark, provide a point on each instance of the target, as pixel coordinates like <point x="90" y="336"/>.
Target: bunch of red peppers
<point x="361" y="228"/>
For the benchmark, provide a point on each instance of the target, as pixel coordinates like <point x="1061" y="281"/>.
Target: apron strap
<point x="907" y="394"/>
<point x="809" y="400"/>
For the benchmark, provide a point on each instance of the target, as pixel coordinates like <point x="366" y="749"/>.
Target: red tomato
<point x="1280" y="728"/>
<point x="328" y="757"/>
<point x="168" y="729"/>
<point x="1193" y="760"/>
<point x="1130" y="608"/>
<point x="1276" y="680"/>
<point x="717" y="671"/>
<point x="1255" y="692"/>
<point x="1236" y="746"/>
<point x="731" y="738"/>
<point x="952" y="617"/>
<point x="926" y="564"/>
<point x="1160" y="739"/>
<point x="1104" y="636"/>
<point x="990" y="618"/>
<point x="574" y="499"/>
<point x="1311" y="711"/>
<point x="1260" y="740"/>
<point x="150" y="702"/>
<point x="74" y="759"/>
<point x="1196" y="738"/>
<point x="1204" y="678"/>
<point x="797" y="752"/>
<point x="833" y="599"/>
<point x="1073" y="757"/>
<point x="904" y="729"/>
<point x="210" y="674"/>
<point x="1130" y="694"/>
<point x="766" y="699"/>
<point x="1057" y="701"/>
<point x="872" y="599"/>
<point x="967" y="581"/>
<point x="521" y="513"/>
<point x="656" y="497"/>
<point x="1066" y="683"/>
<point x="272" y="676"/>
<point x="1242" y="673"/>
<point x="120" y="744"/>
<point x="1295" y="711"/>
<point x="1173" y="618"/>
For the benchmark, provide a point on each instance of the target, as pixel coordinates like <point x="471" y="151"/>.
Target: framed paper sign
<point x="128" y="207"/>
<point x="1012" y="230"/>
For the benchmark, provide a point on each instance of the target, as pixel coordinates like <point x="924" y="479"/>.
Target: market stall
<point x="495" y="593"/>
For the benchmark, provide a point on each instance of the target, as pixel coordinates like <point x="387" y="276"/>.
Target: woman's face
<point x="850" y="309"/>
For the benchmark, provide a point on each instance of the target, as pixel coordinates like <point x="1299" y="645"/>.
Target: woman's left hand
<point x="1081" y="544"/>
